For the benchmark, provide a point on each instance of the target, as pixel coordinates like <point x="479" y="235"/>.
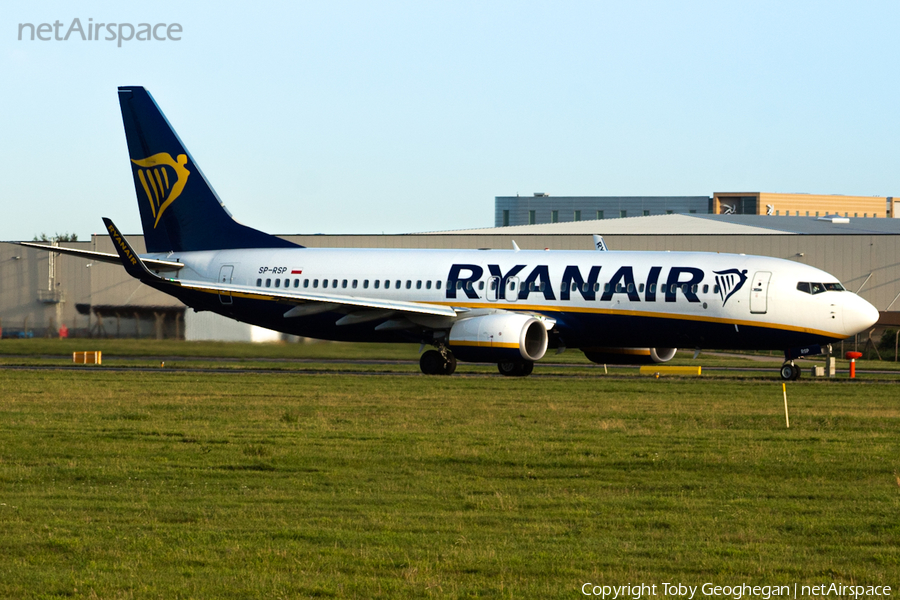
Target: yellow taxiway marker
<point x="87" y="358"/>
<point x="661" y="370"/>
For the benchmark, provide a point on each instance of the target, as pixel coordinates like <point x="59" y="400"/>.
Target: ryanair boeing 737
<point x="501" y="306"/>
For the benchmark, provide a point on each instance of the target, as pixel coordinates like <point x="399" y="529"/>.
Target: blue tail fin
<point x="179" y="209"/>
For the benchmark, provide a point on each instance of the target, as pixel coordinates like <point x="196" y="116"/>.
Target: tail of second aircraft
<point x="179" y="209"/>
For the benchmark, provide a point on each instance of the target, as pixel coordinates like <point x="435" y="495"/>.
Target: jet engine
<point x="629" y="356"/>
<point x="499" y="337"/>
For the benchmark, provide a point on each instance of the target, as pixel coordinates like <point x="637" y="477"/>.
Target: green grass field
<point x="285" y="485"/>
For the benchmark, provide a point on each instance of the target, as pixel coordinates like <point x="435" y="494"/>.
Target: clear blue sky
<point x="363" y="117"/>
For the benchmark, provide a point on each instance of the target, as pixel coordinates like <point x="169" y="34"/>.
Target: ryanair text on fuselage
<point x="686" y="280"/>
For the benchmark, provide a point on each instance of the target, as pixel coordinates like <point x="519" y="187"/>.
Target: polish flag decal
<point x="296" y="271"/>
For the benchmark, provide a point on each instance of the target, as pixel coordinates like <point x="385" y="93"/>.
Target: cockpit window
<point x="812" y="287"/>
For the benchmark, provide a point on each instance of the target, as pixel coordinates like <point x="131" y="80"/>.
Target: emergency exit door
<point x="759" y="292"/>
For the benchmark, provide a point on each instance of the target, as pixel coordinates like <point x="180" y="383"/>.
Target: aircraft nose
<point x="859" y="315"/>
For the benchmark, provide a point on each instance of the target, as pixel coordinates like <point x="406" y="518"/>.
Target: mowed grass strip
<point x="264" y="486"/>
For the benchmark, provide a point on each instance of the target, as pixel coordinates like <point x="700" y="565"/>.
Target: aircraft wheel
<point x="797" y="372"/>
<point x="514" y="368"/>
<point x="432" y="363"/>
<point x="787" y="372"/>
<point x="448" y="366"/>
<point x="508" y="368"/>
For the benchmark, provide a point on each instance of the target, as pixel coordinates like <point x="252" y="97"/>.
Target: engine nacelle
<point x="629" y="356"/>
<point x="499" y="337"/>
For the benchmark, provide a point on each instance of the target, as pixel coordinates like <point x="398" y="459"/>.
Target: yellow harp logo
<point x="157" y="181"/>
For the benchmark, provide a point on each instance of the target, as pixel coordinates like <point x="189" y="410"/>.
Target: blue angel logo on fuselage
<point x="729" y="282"/>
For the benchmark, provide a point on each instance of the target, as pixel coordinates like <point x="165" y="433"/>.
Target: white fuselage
<point x="581" y="290"/>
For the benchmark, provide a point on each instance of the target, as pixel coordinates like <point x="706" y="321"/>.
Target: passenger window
<point x="419" y="284"/>
<point x="428" y="285"/>
<point x="324" y="283"/>
<point x="620" y="288"/>
<point x="641" y="288"/>
<point x="399" y="283"/>
<point x="630" y="288"/>
<point x="694" y="288"/>
<point x="541" y="287"/>
<point x="673" y="288"/>
<point x="705" y="288"/>
<point x="377" y="283"/>
<point x="480" y="285"/>
<point x="354" y="284"/>
<point x="259" y="282"/>
<point x="344" y="284"/>
<point x="469" y="286"/>
<point x="512" y="286"/>
<point x="315" y="283"/>
<point x="365" y="284"/>
<point x="459" y="285"/>
<point x="716" y="289"/>
<point x="334" y="283"/>
<point x="564" y="286"/>
<point x="652" y="288"/>
<point x="606" y="288"/>
<point x="306" y="283"/>
<point x="437" y="284"/>
<point x="408" y="284"/>
<point x="493" y="284"/>
<point x="585" y="287"/>
<point x="803" y="286"/>
<point x="268" y="282"/>
<point x="296" y="283"/>
<point x="387" y="284"/>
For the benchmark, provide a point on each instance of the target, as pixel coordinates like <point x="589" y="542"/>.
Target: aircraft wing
<point x="300" y="298"/>
<point x="137" y="267"/>
<point x="152" y="263"/>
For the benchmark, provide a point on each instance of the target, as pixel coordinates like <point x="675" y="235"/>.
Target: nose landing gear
<point x="790" y="371"/>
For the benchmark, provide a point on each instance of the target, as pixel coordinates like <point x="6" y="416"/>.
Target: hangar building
<point x="543" y="208"/>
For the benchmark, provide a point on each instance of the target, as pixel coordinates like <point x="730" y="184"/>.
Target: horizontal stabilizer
<point x="152" y="263"/>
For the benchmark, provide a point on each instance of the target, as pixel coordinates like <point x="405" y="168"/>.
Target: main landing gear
<point x="790" y="371"/>
<point x="442" y="362"/>
<point x="515" y="368"/>
<point x="438" y="362"/>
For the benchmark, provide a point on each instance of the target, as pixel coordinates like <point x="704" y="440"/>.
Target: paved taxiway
<point x="311" y="370"/>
